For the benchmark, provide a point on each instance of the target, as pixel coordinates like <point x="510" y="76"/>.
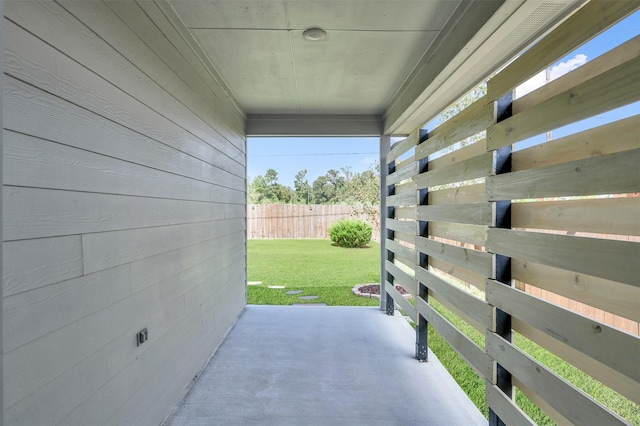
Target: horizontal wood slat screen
<point x="543" y="240"/>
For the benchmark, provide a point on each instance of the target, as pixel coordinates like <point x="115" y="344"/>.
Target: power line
<point x="314" y="155"/>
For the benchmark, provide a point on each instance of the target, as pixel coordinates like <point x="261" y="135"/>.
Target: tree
<point x="266" y="189"/>
<point x="258" y="190"/>
<point x="365" y="191"/>
<point x="329" y="189"/>
<point x="271" y="177"/>
<point x="302" y="188"/>
<point x="322" y="191"/>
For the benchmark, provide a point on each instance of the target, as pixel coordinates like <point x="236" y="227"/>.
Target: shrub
<point x="350" y="233"/>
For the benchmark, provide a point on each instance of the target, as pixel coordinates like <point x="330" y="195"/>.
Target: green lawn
<point x="311" y="263"/>
<point x="318" y="268"/>
<point x="473" y="385"/>
<point x="314" y="266"/>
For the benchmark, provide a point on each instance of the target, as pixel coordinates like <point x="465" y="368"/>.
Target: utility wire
<point x="313" y="155"/>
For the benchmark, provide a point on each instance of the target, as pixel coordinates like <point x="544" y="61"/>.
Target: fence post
<point x="422" y="350"/>
<point x="385" y="145"/>
<point x="502" y="320"/>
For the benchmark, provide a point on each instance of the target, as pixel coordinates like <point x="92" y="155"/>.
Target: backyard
<point x="318" y="268"/>
<point x="303" y="265"/>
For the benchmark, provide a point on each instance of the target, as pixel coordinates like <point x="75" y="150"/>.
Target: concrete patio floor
<point x="314" y="365"/>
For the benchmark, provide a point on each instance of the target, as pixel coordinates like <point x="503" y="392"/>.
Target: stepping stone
<point x="308" y="297"/>
<point x="309" y="304"/>
<point x="254" y="282"/>
<point x="275" y="286"/>
<point x="294" y="292"/>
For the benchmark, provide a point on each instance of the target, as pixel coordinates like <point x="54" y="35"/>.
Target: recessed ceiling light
<point x="314" y="34"/>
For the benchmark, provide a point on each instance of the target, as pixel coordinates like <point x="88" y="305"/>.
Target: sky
<point x="288" y="155"/>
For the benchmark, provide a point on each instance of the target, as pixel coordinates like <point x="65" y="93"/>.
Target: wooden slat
<point x="464" y="153"/>
<point x="471" y="234"/>
<point x="406" y="226"/>
<point x="400" y="250"/>
<point x="463" y="274"/>
<point x="403" y="146"/>
<point x="609" y="174"/>
<point x="399" y="300"/>
<point x="621" y="351"/>
<point x="599" y="371"/>
<point x="574" y="404"/>
<point x="505" y="407"/>
<point x="594" y="67"/>
<point x="611" y="296"/>
<point x="608" y="259"/>
<point x="589" y="143"/>
<point x="407" y="238"/>
<point x="472" y="353"/>
<point x="619" y="215"/>
<point x="406" y="199"/>
<point x="553" y="414"/>
<point x="605" y="92"/>
<point x="472" y="120"/>
<point x="476" y="167"/>
<point x="409" y="161"/>
<point x="466" y="194"/>
<point x="401" y="258"/>
<point x="400" y="277"/>
<point x="479" y="310"/>
<point x="477" y="261"/>
<point x="406" y="187"/>
<point x="405" y="173"/>
<point x="585" y="24"/>
<point x="405" y="212"/>
<point x="453" y="308"/>
<point x="473" y="214"/>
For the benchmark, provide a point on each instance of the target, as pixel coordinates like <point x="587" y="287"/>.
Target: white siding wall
<point x="123" y="208"/>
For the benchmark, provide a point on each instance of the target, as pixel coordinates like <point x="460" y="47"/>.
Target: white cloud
<point x="532" y="84"/>
<point x="555" y="71"/>
<point x="564" y="67"/>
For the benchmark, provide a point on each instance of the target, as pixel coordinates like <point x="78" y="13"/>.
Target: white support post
<point x="385" y="145"/>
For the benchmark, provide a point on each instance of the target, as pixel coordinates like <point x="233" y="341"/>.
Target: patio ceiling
<point x="378" y="63"/>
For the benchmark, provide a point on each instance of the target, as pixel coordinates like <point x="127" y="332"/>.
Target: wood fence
<point x="266" y="221"/>
<point x="475" y="227"/>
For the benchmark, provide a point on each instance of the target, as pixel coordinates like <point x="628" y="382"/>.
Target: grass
<point x="332" y="296"/>
<point x="310" y="265"/>
<point x="473" y="385"/>
<point x="318" y="268"/>
<point x="305" y="263"/>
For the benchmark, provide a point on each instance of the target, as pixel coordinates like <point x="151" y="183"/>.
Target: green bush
<point x="350" y="233"/>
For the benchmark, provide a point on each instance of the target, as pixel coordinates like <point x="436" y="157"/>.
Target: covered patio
<point x="316" y="365"/>
<point x="124" y="172"/>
